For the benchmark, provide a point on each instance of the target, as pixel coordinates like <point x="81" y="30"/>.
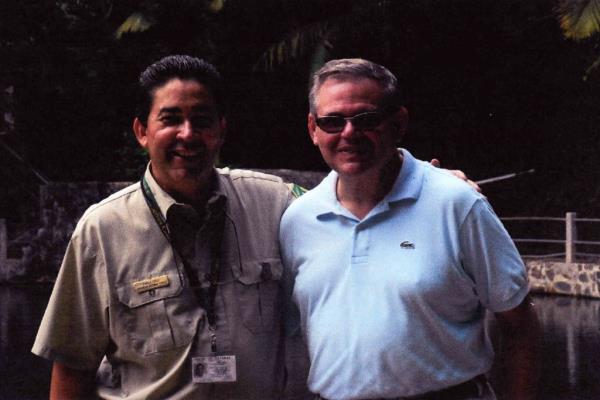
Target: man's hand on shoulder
<point x="457" y="173"/>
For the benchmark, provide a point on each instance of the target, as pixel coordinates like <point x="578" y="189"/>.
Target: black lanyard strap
<point x="155" y="209"/>
<point x="214" y="224"/>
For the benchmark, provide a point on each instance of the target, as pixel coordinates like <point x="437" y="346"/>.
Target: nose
<point x="187" y="130"/>
<point x="349" y="130"/>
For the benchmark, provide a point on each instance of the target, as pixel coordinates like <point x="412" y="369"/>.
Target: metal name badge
<point x="214" y="369"/>
<point x="150" y="283"/>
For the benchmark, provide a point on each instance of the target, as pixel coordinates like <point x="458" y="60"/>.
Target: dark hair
<point x="353" y="69"/>
<point x="181" y="67"/>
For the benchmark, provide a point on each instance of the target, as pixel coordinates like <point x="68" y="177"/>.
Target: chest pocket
<point x="147" y="316"/>
<point x="257" y="289"/>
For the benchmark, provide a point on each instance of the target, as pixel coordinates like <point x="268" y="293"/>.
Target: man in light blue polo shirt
<point x="391" y="263"/>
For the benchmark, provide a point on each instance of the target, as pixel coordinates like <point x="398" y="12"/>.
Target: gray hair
<point x="355" y="69"/>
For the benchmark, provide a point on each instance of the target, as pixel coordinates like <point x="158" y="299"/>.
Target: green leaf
<point x="579" y="19"/>
<point x="136" y="22"/>
<point x="295" y="45"/>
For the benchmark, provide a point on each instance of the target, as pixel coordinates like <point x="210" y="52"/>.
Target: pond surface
<point x="570" y="346"/>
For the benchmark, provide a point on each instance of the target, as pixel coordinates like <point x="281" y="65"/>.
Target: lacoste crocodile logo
<point x="407" y="245"/>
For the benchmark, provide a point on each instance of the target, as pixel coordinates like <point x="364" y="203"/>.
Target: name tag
<point x="151" y="283"/>
<point x="214" y="369"/>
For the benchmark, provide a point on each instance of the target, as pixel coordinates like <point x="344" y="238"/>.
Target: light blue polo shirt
<point x="393" y="305"/>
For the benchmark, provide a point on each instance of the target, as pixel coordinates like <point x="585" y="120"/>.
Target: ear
<point x="140" y="132"/>
<point x="400" y="122"/>
<point x="312" y="127"/>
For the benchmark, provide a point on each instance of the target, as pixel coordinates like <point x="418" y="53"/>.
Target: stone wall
<point x="576" y="279"/>
<point x="61" y="206"/>
<point x="42" y="248"/>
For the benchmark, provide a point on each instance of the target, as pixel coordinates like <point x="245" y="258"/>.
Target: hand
<point x="457" y="173"/>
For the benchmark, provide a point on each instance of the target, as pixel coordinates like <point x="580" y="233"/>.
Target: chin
<point x="352" y="168"/>
<point x="189" y="174"/>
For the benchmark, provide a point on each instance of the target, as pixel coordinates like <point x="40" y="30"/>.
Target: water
<point x="22" y="375"/>
<point x="571" y="344"/>
<point x="570" y="366"/>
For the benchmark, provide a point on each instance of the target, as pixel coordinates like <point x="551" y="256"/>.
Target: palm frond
<point x="297" y="44"/>
<point x="136" y="22"/>
<point x="579" y="19"/>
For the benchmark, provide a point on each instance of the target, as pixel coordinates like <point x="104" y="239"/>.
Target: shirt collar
<point x="408" y="185"/>
<point x="165" y="200"/>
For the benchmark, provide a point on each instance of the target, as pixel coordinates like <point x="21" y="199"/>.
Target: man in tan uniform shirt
<point x="169" y="288"/>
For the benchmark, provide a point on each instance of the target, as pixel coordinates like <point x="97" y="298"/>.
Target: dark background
<point x="492" y="87"/>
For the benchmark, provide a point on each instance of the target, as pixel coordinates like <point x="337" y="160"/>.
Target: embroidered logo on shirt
<point x="150" y="283"/>
<point x="407" y="245"/>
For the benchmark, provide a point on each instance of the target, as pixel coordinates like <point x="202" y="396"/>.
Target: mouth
<point x="186" y="154"/>
<point x="352" y="150"/>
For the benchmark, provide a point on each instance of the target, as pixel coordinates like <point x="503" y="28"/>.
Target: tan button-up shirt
<point x="101" y="312"/>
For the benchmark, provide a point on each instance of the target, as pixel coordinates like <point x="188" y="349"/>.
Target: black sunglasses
<point x="366" y="121"/>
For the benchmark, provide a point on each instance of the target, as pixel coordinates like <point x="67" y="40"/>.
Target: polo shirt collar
<point x="408" y="185"/>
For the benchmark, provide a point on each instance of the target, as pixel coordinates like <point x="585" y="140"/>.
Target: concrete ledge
<point x="576" y="279"/>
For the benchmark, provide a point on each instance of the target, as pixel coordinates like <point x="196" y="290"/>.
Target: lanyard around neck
<point x="215" y="265"/>
<point x="155" y="210"/>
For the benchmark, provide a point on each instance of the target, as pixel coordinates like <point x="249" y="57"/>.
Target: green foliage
<point x="579" y="19"/>
<point x="492" y="86"/>
<point x="136" y="22"/>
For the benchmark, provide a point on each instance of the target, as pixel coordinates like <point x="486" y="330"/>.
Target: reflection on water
<point x="570" y="365"/>
<point x="570" y="362"/>
<point x="22" y="375"/>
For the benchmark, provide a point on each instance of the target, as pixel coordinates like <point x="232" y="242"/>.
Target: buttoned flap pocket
<point x="258" y="293"/>
<point x="145" y="311"/>
<point x="148" y="289"/>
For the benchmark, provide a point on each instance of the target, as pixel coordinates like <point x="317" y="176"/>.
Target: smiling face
<point x="352" y="151"/>
<point x="183" y="136"/>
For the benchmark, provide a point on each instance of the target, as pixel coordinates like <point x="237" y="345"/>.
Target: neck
<point x="360" y="194"/>
<point x="196" y="197"/>
<point x="194" y="191"/>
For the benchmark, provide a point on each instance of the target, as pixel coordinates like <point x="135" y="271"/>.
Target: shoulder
<point x="251" y="180"/>
<point x="255" y="188"/>
<point x="117" y="206"/>
<point x="311" y="204"/>
<point x="442" y="186"/>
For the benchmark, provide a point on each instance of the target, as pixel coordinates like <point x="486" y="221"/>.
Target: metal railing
<point x="570" y="241"/>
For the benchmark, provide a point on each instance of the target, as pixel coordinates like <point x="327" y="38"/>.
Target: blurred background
<point x="492" y="87"/>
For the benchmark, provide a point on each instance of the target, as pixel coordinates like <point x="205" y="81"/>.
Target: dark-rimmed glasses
<point x="366" y="121"/>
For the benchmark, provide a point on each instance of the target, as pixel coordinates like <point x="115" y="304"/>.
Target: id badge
<point x="214" y="369"/>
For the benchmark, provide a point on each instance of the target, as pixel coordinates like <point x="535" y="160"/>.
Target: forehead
<point x="356" y="93"/>
<point x="179" y="94"/>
